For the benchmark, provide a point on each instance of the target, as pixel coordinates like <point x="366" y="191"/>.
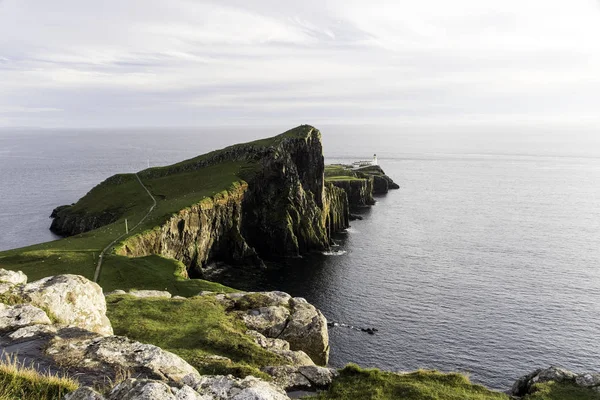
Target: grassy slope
<point x="195" y="329"/>
<point x="19" y="383"/>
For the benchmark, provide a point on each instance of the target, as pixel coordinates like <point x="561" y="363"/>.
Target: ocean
<point x="486" y="261"/>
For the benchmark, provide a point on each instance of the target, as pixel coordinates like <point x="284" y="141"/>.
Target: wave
<point x="334" y="253"/>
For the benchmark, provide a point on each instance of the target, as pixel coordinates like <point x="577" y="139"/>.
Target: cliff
<point x="359" y="184"/>
<point x="253" y="201"/>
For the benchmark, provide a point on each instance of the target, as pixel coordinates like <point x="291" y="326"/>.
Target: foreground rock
<point x="277" y="315"/>
<point x="526" y="384"/>
<point x="74" y="341"/>
<point x="70" y="299"/>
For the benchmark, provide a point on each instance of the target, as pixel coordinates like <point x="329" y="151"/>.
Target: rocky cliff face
<point x="359" y="191"/>
<point x="205" y="231"/>
<point x="281" y="208"/>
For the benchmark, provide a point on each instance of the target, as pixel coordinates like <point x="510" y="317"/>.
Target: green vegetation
<point x="197" y="329"/>
<point x="339" y="172"/>
<point x="372" y="384"/>
<point x="20" y="383"/>
<point x="555" y="391"/>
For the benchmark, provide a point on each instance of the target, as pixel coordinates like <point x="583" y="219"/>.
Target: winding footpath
<point x="101" y="256"/>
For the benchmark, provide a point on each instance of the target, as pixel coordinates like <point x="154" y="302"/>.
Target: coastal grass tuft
<point x="372" y="384"/>
<point x="562" y="391"/>
<point x="22" y="383"/>
<point x="197" y="329"/>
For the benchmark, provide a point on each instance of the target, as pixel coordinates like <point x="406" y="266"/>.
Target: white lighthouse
<point x="374" y="162"/>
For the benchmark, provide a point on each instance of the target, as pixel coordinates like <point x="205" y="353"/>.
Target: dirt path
<point x="107" y="248"/>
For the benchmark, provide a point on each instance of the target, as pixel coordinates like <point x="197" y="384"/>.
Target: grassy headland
<point x="121" y="197"/>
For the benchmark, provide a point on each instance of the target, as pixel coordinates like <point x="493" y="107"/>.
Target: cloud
<point x="185" y="62"/>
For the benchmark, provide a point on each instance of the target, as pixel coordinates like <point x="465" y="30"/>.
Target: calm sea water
<point x="486" y="261"/>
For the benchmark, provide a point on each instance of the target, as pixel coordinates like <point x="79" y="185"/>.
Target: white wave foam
<point x="334" y="253"/>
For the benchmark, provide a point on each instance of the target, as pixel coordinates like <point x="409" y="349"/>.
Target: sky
<point x="139" y="63"/>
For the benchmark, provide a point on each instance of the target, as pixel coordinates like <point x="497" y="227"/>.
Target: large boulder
<point x="12" y="277"/>
<point x="590" y="380"/>
<point x="70" y="300"/>
<point x="84" y="393"/>
<point x="281" y="348"/>
<point x="307" y="331"/>
<point x="230" y="388"/>
<point x="116" y="353"/>
<point x="141" y="389"/>
<point x="21" y="315"/>
<point x="277" y="315"/>
<point x="524" y="385"/>
<point x="310" y="377"/>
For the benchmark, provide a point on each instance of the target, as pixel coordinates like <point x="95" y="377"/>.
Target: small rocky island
<point x="116" y="310"/>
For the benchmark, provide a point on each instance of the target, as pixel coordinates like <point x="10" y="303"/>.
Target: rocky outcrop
<point x="277" y="315"/>
<point x="526" y="384"/>
<point x="21" y="315"/>
<point x="309" y="377"/>
<point x="205" y="231"/>
<point x="69" y="299"/>
<point x="73" y="219"/>
<point x="381" y="182"/>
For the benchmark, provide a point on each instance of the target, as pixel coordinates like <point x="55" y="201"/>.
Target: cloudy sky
<point x="125" y="63"/>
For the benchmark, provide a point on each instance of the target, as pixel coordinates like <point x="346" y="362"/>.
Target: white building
<point x="360" y="164"/>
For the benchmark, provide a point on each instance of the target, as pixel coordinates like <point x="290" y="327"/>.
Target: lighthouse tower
<point x="374" y="162"/>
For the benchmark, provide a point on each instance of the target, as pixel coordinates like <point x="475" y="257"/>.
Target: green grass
<point x="20" y="383"/>
<point x="194" y="329"/>
<point x="342" y="178"/>
<point x="373" y="384"/>
<point x="154" y="273"/>
<point x="556" y="391"/>
<point x="335" y="170"/>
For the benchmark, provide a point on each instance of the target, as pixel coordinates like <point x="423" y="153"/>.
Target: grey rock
<point x="72" y="300"/>
<point x="141" y="389"/>
<point x="178" y="298"/>
<point x="288" y="378"/>
<point x="307" y="331"/>
<point x="228" y="387"/>
<point x="292" y="378"/>
<point x="270" y="321"/>
<point x="187" y="393"/>
<point x="21" y="315"/>
<point x="84" y="393"/>
<point x="588" y="379"/>
<point x="524" y="384"/>
<point x="116" y="353"/>
<point x="144" y="294"/>
<point x="12" y="277"/>
<point x="320" y="377"/>
<point x="31" y="331"/>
